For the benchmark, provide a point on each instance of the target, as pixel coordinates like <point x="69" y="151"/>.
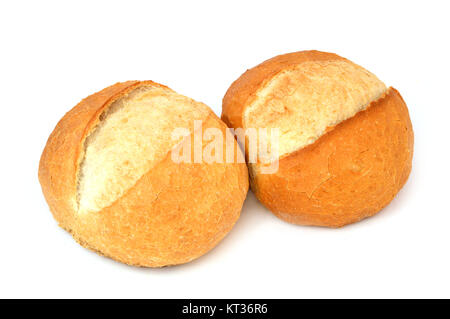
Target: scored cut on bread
<point x="311" y="97"/>
<point x="109" y="179"/>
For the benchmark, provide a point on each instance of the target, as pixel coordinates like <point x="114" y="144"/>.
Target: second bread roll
<point x="346" y="141"/>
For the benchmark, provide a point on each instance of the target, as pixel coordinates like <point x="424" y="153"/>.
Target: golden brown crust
<point x="243" y="90"/>
<point x="350" y="173"/>
<point x="168" y="217"/>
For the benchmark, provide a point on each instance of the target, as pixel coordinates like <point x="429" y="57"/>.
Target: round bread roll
<point x="109" y="178"/>
<point x="346" y="141"/>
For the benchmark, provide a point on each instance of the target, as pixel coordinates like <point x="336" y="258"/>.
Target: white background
<point x="53" y="54"/>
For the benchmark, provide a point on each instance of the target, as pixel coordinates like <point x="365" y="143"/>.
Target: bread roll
<point x="346" y="141"/>
<point x="109" y="178"/>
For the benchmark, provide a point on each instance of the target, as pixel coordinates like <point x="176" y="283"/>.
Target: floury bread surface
<point x="109" y="179"/>
<point x="346" y="141"/>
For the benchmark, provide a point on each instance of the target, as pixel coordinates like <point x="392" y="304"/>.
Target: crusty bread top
<point x="133" y="134"/>
<point x="302" y="93"/>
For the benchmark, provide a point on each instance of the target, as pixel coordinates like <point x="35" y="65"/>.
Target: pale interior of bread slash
<point x="303" y="102"/>
<point x="133" y="134"/>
